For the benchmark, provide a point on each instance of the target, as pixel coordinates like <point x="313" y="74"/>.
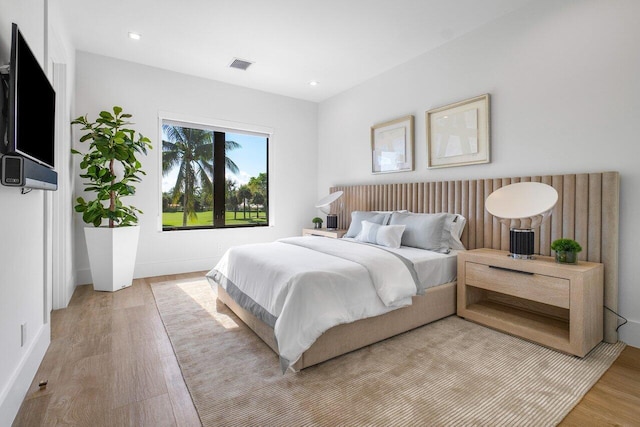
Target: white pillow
<point x="383" y="235"/>
<point x="425" y="231"/>
<point x="436" y="232"/>
<point x="456" y="232"/>
<point x="390" y="212"/>
<point x="454" y="222"/>
<point x="372" y="216"/>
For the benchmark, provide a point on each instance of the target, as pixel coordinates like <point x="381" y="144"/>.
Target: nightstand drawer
<point x="535" y="287"/>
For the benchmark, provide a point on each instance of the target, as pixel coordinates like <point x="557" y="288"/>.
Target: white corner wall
<point x="22" y="235"/>
<point x="143" y="91"/>
<point x="61" y="54"/>
<point x="563" y="79"/>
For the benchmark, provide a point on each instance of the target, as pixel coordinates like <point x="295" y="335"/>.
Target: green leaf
<point x="117" y="110"/>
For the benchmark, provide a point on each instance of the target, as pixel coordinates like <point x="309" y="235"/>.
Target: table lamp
<point x="522" y="206"/>
<point x="324" y="205"/>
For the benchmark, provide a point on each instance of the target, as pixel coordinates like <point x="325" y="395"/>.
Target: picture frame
<point x="392" y="146"/>
<point x="458" y="133"/>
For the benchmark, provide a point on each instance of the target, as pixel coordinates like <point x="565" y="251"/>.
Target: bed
<point x="587" y="211"/>
<point x="300" y="287"/>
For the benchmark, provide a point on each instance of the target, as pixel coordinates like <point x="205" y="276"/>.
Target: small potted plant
<point x="566" y="250"/>
<point x="317" y="222"/>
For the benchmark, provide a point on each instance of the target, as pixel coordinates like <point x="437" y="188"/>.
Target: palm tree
<point x="191" y="151"/>
<point x="244" y="194"/>
<point x="258" y="186"/>
<point x="231" y="199"/>
<point x="258" y="200"/>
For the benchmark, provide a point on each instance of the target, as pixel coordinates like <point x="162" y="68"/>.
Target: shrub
<point x="566" y="245"/>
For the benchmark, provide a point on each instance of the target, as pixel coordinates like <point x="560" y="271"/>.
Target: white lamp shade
<point x="522" y="205"/>
<point x="324" y="204"/>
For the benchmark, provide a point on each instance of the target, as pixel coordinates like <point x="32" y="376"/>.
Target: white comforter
<point x="302" y="286"/>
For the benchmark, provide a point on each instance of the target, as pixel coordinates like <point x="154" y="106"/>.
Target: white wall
<point x="25" y="264"/>
<point x="563" y="79"/>
<point x="145" y="92"/>
<point x="62" y="61"/>
<point x="22" y="237"/>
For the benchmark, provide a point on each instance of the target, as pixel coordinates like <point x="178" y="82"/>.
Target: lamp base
<point x="332" y="222"/>
<point x="521" y="243"/>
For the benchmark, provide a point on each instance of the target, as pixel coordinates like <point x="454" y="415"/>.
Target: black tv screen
<point x="31" y="105"/>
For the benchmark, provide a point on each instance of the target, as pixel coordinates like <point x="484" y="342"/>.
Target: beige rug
<point x="451" y="372"/>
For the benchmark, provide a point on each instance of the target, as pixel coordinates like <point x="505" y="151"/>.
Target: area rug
<point x="450" y="372"/>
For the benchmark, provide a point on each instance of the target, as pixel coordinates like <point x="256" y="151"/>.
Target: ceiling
<point x="338" y="43"/>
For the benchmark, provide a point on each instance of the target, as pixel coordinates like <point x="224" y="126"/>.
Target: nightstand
<point x="334" y="234"/>
<point x="557" y="305"/>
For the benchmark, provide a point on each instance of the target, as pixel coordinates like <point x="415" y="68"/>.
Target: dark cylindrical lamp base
<point x="521" y="243"/>
<point x="332" y="222"/>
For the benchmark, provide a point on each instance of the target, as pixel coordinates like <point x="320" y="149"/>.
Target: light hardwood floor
<point x="110" y="363"/>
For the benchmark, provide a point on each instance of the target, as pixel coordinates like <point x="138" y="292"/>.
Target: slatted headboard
<point x="587" y="211"/>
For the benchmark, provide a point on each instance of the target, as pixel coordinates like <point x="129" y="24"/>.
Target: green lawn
<point x="174" y="219"/>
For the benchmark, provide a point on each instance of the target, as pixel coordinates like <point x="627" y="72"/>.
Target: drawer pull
<point x="511" y="270"/>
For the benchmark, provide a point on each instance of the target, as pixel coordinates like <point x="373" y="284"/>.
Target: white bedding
<point x="303" y="286"/>
<point x="433" y="268"/>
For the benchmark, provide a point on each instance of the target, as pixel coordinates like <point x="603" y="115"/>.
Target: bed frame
<point x="587" y="211"/>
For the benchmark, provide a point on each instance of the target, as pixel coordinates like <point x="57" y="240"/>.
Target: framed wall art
<point x="458" y="134"/>
<point x="392" y="146"/>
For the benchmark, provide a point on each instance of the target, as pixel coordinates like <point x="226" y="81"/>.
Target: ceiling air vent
<point x="240" y="64"/>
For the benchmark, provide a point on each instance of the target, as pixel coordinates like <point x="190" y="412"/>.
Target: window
<point x="213" y="177"/>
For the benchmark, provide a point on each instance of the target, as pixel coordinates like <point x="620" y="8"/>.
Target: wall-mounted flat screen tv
<point x="30" y="106"/>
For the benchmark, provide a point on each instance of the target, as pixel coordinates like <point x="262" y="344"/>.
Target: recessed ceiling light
<point x="134" y="36"/>
<point x="314" y="83"/>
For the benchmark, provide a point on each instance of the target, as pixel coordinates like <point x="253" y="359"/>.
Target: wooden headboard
<point x="587" y="211"/>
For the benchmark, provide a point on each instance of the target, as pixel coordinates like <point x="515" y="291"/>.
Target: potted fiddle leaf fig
<point x="566" y="250"/>
<point x="111" y="170"/>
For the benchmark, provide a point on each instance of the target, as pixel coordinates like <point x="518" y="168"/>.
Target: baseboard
<point x="15" y="391"/>
<point x="83" y="276"/>
<point x="630" y="333"/>
<point x="176" y="267"/>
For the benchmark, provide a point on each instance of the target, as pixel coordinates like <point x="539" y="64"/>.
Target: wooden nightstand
<point x="335" y="234"/>
<point x="557" y="305"/>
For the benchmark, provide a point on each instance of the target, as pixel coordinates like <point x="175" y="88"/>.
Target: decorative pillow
<point x="425" y="231"/>
<point x="384" y="235"/>
<point x="358" y="216"/>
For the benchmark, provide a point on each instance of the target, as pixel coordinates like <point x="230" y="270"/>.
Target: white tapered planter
<point x="112" y="256"/>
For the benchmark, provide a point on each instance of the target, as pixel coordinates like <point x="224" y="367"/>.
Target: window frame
<point x="216" y="126"/>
